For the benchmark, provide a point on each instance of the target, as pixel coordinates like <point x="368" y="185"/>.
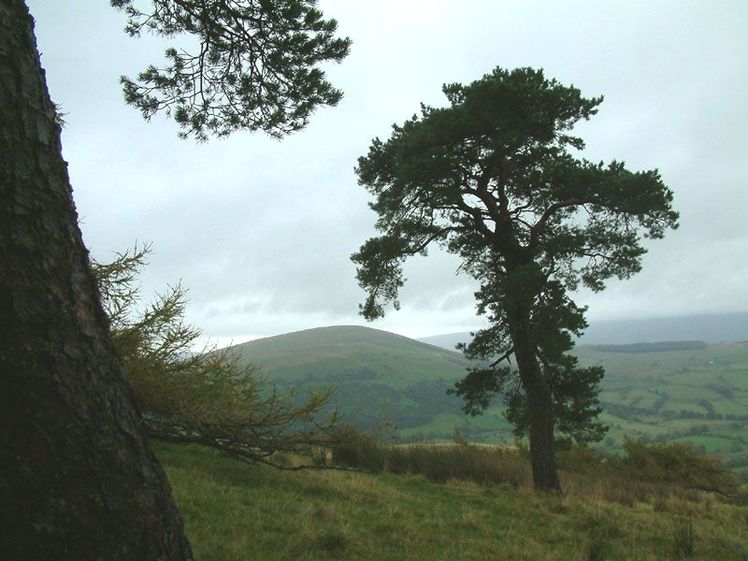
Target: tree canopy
<point x="257" y="65"/>
<point x="496" y="178"/>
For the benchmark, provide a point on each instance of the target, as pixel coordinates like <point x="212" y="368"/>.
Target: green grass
<point x="234" y="511"/>
<point x="711" y="444"/>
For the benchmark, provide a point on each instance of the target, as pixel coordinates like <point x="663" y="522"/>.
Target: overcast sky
<point x="261" y="231"/>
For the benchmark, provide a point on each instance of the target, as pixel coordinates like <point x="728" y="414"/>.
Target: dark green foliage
<point x="574" y="392"/>
<point x="256" y="67"/>
<point x="492" y="178"/>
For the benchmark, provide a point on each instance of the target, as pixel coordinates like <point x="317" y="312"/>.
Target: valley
<point x="666" y="392"/>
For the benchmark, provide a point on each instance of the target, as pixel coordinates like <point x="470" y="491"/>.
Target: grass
<point x="234" y="511"/>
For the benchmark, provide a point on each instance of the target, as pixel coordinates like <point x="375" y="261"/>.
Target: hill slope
<point x="377" y="375"/>
<point x="345" y="352"/>
<point x="665" y="392"/>
<point x="234" y="512"/>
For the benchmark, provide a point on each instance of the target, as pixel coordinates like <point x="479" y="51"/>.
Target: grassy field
<point x="235" y="511"/>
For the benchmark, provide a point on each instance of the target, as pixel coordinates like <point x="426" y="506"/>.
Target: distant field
<point x="685" y="391"/>
<point x="697" y="395"/>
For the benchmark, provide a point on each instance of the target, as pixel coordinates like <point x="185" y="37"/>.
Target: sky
<point x="261" y="231"/>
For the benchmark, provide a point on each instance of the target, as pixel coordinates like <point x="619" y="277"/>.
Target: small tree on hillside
<point x="491" y="179"/>
<point x="205" y="397"/>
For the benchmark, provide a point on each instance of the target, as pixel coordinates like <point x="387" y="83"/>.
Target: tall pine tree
<point x="493" y="179"/>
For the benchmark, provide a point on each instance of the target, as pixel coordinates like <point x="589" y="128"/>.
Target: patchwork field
<point x="697" y="395"/>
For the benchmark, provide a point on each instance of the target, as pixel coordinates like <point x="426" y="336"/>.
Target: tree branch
<point x="506" y="356"/>
<point x="539" y="226"/>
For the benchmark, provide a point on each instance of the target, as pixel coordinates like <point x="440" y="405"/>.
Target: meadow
<point x="697" y="395"/>
<point x="234" y="511"/>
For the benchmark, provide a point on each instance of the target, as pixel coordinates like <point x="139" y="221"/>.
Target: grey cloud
<point x="261" y="231"/>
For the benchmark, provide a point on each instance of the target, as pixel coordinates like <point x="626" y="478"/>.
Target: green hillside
<point x="235" y="512"/>
<point x="682" y="391"/>
<point x="341" y="353"/>
<point x="377" y="375"/>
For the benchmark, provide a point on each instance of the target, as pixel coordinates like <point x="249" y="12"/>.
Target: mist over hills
<point x="710" y="328"/>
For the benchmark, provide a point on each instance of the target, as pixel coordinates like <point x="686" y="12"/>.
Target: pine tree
<point x="493" y="178"/>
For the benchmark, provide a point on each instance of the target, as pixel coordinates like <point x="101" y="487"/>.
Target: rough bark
<point x="541" y="423"/>
<point x="77" y="478"/>
<point x="540" y="412"/>
<point x="538" y="392"/>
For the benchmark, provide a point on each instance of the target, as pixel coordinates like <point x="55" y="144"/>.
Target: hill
<point x="350" y="352"/>
<point x="376" y="374"/>
<point x="234" y="511"/>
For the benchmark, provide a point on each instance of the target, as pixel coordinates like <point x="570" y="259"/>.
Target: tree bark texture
<point x="540" y="412"/>
<point x="523" y="291"/>
<point x="539" y="399"/>
<point x="77" y="478"/>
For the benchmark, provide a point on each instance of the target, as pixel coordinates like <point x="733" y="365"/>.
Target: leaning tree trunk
<point x="77" y="478"/>
<point x="539" y="408"/>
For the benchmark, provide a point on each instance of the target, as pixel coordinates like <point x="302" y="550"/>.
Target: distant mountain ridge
<point x="710" y="328"/>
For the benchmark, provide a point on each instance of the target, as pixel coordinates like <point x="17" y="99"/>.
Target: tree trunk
<point x="77" y="478"/>
<point x="539" y="408"/>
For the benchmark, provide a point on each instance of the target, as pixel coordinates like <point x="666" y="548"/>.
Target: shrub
<point x="437" y="462"/>
<point x="676" y="463"/>
<point x="359" y="450"/>
<point x="579" y="459"/>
